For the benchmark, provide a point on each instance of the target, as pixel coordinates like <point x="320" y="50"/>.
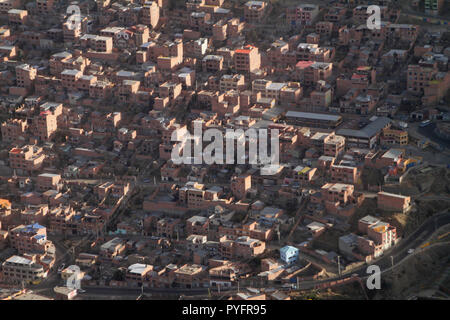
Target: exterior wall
<point x="150" y="14"/>
<point x="393" y="202"/>
<point x="254" y="11"/>
<point x="240" y="185"/>
<point x="46" y="125"/>
<point x="333" y="145"/>
<point x="247" y="59"/>
<point x="27" y="272"/>
<point x="344" y="174"/>
<point x="45" y="182"/>
<point x="197" y="228"/>
<point x="324" y="27"/>
<point x="289" y="255"/>
<point x="303" y="14"/>
<point x="392" y="136"/>
<point x="25" y="76"/>
<point x="23" y="239"/>
<point x="167" y="227"/>
<point x="13" y="129"/>
<point x="28" y="158"/>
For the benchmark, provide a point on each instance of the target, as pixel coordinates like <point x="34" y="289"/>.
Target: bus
<point x="425" y="123"/>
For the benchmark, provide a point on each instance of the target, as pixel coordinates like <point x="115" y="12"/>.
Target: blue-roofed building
<point x="35" y="226"/>
<point x="289" y="254"/>
<point x="30" y="238"/>
<point x="40" y="237"/>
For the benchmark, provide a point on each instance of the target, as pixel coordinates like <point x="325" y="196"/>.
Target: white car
<point x="410" y="251"/>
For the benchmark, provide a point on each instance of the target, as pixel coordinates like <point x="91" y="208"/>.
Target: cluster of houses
<point x="90" y="111"/>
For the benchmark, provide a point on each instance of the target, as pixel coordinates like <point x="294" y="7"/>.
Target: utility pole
<point x="339" y="265"/>
<point x="392" y="261"/>
<point x="278" y="233"/>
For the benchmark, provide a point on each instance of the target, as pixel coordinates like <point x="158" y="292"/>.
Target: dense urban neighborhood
<point x="95" y="205"/>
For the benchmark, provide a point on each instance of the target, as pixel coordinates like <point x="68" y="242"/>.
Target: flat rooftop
<point x="313" y="116"/>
